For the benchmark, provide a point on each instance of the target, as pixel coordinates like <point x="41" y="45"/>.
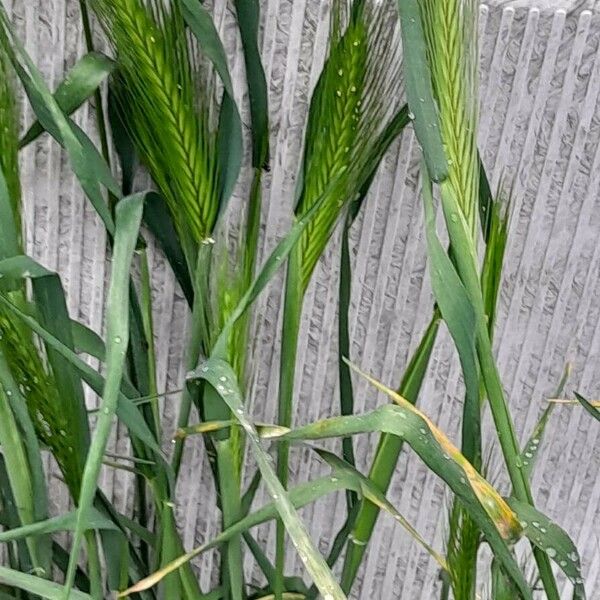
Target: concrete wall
<point x="540" y="126"/>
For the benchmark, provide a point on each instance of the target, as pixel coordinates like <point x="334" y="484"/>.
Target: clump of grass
<point x="168" y="115"/>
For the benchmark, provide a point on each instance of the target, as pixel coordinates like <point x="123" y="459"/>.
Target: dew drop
<point x="551" y="552"/>
<point x="117" y="339"/>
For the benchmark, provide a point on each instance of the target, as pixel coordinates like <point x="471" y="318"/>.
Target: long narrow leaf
<point x="80" y="83"/>
<point x="37" y="585"/>
<point x="129" y="216"/>
<point x="66" y="522"/>
<point x="458" y="313"/>
<point x="549" y="537"/>
<point x="419" y="89"/>
<point x="591" y="409"/>
<point x="88" y="165"/>
<point x="248" y="14"/>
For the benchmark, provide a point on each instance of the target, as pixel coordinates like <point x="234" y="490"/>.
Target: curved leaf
<point x="128" y="220"/>
<point x="484" y="504"/>
<point x="66" y="522"/>
<point x="81" y="82"/>
<point x="549" y="537"/>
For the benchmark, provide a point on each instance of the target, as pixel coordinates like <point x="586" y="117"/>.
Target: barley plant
<point x="166" y="104"/>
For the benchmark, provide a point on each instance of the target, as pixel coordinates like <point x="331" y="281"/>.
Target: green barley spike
<point x="169" y="119"/>
<point x="357" y="94"/>
<point x="450" y="30"/>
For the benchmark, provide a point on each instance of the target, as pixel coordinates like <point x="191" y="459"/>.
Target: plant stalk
<point x="292" y="312"/>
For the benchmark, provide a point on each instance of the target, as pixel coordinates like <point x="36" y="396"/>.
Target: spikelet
<point x="358" y="92"/>
<point x="168" y="119"/>
<point x="451" y="32"/>
<point x="464" y="539"/>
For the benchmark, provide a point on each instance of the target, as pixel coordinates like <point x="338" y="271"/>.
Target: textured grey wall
<point x="540" y="126"/>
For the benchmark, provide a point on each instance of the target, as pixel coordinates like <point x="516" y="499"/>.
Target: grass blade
<point x="88" y="165"/>
<point x="344" y="377"/>
<point x="459" y="315"/>
<point x="592" y="410"/>
<point x="465" y="256"/>
<point x="343" y="476"/>
<point x="248" y="14"/>
<point x="549" y="537"/>
<point x="80" y="83"/>
<point x="530" y="450"/>
<point x="9" y="241"/>
<point x="419" y="90"/>
<point x="128" y="215"/>
<point x="65" y="522"/>
<point x="36" y="585"/>
<point x="158" y="220"/>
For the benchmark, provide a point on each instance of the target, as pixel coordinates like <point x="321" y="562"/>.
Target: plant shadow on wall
<point x="170" y="106"/>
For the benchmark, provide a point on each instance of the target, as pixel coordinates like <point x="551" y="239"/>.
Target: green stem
<point x="197" y="336"/>
<point x="94" y="566"/>
<point x="230" y="495"/>
<point x="464" y="255"/>
<point x="100" y="119"/>
<point x="292" y="312"/>
<point x="386" y="458"/>
<point x="345" y="379"/>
